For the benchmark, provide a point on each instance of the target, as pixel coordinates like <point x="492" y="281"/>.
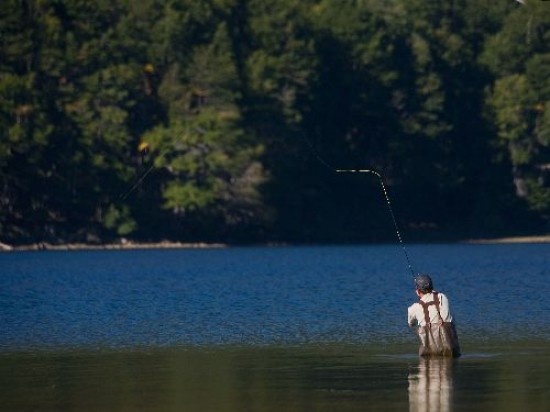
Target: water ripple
<point x="260" y="296"/>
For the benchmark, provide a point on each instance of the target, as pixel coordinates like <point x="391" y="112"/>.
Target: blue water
<point x="265" y="295"/>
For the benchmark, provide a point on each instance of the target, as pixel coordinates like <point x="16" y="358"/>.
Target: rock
<point x="4" y="247"/>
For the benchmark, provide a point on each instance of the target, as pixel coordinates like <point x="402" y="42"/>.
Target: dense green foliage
<point x="207" y="120"/>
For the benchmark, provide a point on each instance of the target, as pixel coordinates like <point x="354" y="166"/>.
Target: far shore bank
<point x="131" y="245"/>
<point x="127" y="245"/>
<point x="514" y="239"/>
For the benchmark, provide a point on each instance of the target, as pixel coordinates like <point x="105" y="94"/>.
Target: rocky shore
<point x="123" y="245"/>
<point x="516" y="239"/>
<point x="130" y="245"/>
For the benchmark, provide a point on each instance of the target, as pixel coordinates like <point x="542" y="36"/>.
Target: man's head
<point x="423" y="283"/>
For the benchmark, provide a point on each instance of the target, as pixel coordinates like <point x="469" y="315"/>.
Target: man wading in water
<point x="432" y="315"/>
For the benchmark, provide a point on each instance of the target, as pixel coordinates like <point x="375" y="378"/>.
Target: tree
<point x="209" y="162"/>
<point x="72" y="79"/>
<point x="519" y="57"/>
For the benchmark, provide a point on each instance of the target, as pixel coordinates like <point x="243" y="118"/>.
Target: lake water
<point x="270" y="329"/>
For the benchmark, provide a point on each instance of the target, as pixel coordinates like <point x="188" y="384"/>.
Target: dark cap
<point x="423" y="283"/>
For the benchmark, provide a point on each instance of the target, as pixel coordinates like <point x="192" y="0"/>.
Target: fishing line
<point x="332" y="168"/>
<point x="170" y="147"/>
<point x="163" y="153"/>
<point x="384" y="190"/>
<point x="137" y="183"/>
<point x="390" y="208"/>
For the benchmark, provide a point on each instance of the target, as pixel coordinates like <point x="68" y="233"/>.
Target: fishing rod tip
<point x="374" y="172"/>
<point x="347" y="170"/>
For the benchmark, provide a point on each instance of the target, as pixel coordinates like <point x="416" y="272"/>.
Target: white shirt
<point x="416" y="311"/>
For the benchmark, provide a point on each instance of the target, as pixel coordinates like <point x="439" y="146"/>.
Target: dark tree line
<point x="222" y="120"/>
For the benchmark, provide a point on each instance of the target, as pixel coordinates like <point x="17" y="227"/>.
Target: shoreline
<point x="512" y="239"/>
<point x="127" y="245"/>
<point x="130" y="245"/>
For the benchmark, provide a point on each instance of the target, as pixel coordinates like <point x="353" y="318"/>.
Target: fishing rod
<point x="384" y="190"/>
<point x="390" y="208"/>
<point x="124" y="195"/>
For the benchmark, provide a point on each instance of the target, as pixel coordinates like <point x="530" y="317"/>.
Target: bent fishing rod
<point x="124" y="195"/>
<point x="390" y="208"/>
<point x="384" y="190"/>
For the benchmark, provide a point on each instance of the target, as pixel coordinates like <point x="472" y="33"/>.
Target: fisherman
<point x="432" y="316"/>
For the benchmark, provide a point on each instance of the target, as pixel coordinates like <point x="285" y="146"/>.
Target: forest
<point x="225" y="120"/>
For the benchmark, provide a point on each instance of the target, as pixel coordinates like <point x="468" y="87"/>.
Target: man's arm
<point x="444" y="310"/>
<point x="411" y="317"/>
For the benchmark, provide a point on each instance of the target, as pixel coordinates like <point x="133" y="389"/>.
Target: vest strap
<point x="426" y="305"/>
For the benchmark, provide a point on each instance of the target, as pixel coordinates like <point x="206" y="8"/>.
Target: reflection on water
<point x="291" y="379"/>
<point x="431" y="385"/>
